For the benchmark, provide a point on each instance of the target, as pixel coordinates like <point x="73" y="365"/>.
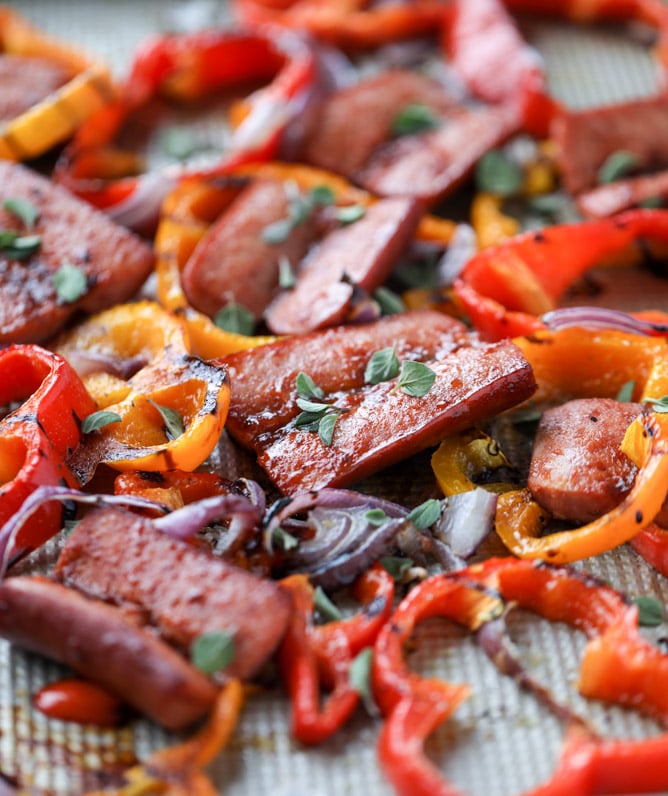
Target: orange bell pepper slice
<point x="196" y="391"/>
<point x="178" y="770"/>
<point x="59" y="115"/>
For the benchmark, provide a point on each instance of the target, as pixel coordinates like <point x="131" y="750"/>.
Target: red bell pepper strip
<point x="348" y="23"/>
<point x="188" y="68"/>
<point x="36" y="438"/>
<point x="414" y="706"/>
<point x="652" y="544"/>
<point x="528" y="273"/>
<point x="485" y="47"/>
<point x="618" y="665"/>
<point x="311" y="655"/>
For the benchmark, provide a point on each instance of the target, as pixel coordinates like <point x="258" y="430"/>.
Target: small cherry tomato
<point x="79" y="701"/>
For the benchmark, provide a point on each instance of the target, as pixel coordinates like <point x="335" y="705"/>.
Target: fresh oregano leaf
<point x="322" y="195"/>
<point x="212" y="651"/>
<point x="307" y="388"/>
<point x="396" y="566"/>
<point x="283" y="540"/>
<point x="415" y="378"/>
<point x="326" y="427"/>
<point x="98" y="420"/>
<point x="496" y="173"/>
<point x="348" y="214"/>
<point x="286" y="276"/>
<point x="414" y="118"/>
<point x="326" y="609"/>
<point x="18" y="247"/>
<point x="426" y="514"/>
<point x="376" y="517"/>
<point x="359" y="676"/>
<point x="178" y="142"/>
<point x="625" y="394"/>
<point x="315" y="407"/>
<point x="617" y="165"/>
<point x="650" y="611"/>
<point x="388" y="301"/>
<point x="277" y="232"/>
<point x="383" y="365"/>
<point x="658" y="404"/>
<point x="69" y="282"/>
<point x="172" y="419"/>
<point x="23" y="209"/>
<point x="235" y="318"/>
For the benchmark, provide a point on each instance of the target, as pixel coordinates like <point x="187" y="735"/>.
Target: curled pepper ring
<point x="38" y="436"/>
<point x="414" y="706"/>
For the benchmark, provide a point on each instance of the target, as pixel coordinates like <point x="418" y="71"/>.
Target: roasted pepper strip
<point x="529" y="272"/>
<point x="177" y="770"/>
<point x="198" y="392"/>
<point x="415" y="706"/>
<point x="108" y="348"/>
<point x="56" y="118"/>
<point x="485" y="47"/>
<point x="652" y="544"/>
<point x="618" y="665"/>
<point x="188" y="68"/>
<point x="36" y="438"/>
<point x="173" y="488"/>
<point x="313" y="654"/>
<point x="348" y="23"/>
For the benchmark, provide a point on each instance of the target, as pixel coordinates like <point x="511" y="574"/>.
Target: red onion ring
<point x="44" y="494"/>
<point x="602" y="318"/>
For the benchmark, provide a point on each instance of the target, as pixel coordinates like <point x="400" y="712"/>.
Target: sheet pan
<point x="501" y="741"/>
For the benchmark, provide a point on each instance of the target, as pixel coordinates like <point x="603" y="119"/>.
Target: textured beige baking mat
<point x="501" y="741"/>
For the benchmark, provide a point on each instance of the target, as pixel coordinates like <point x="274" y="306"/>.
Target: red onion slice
<point x="496" y="643"/>
<point x="345" y="542"/>
<point x="466" y="521"/>
<point x="602" y="318"/>
<point x="44" y="494"/>
<point x="187" y="521"/>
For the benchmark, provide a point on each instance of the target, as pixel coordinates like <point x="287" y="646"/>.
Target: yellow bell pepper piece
<point x="56" y="118"/>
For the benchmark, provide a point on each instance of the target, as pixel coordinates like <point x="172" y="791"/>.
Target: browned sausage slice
<point x="233" y="262"/>
<point x="185" y="591"/>
<point x="359" y="256"/>
<point x="606" y="200"/>
<point x="430" y="165"/>
<point x="585" y="139"/>
<point x="115" y="262"/>
<point x="97" y="642"/>
<point x="578" y="471"/>
<point x="380" y="425"/>
<point x="262" y="380"/>
<point x="356" y="120"/>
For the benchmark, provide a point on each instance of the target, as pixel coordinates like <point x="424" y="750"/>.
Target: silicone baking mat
<point x="501" y="741"/>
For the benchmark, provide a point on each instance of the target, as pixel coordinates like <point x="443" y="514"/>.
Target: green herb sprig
<point x="212" y="651"/>
<point x="316" y="415"/>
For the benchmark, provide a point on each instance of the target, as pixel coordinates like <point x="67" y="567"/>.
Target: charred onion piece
<point x="346" y="539"/>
